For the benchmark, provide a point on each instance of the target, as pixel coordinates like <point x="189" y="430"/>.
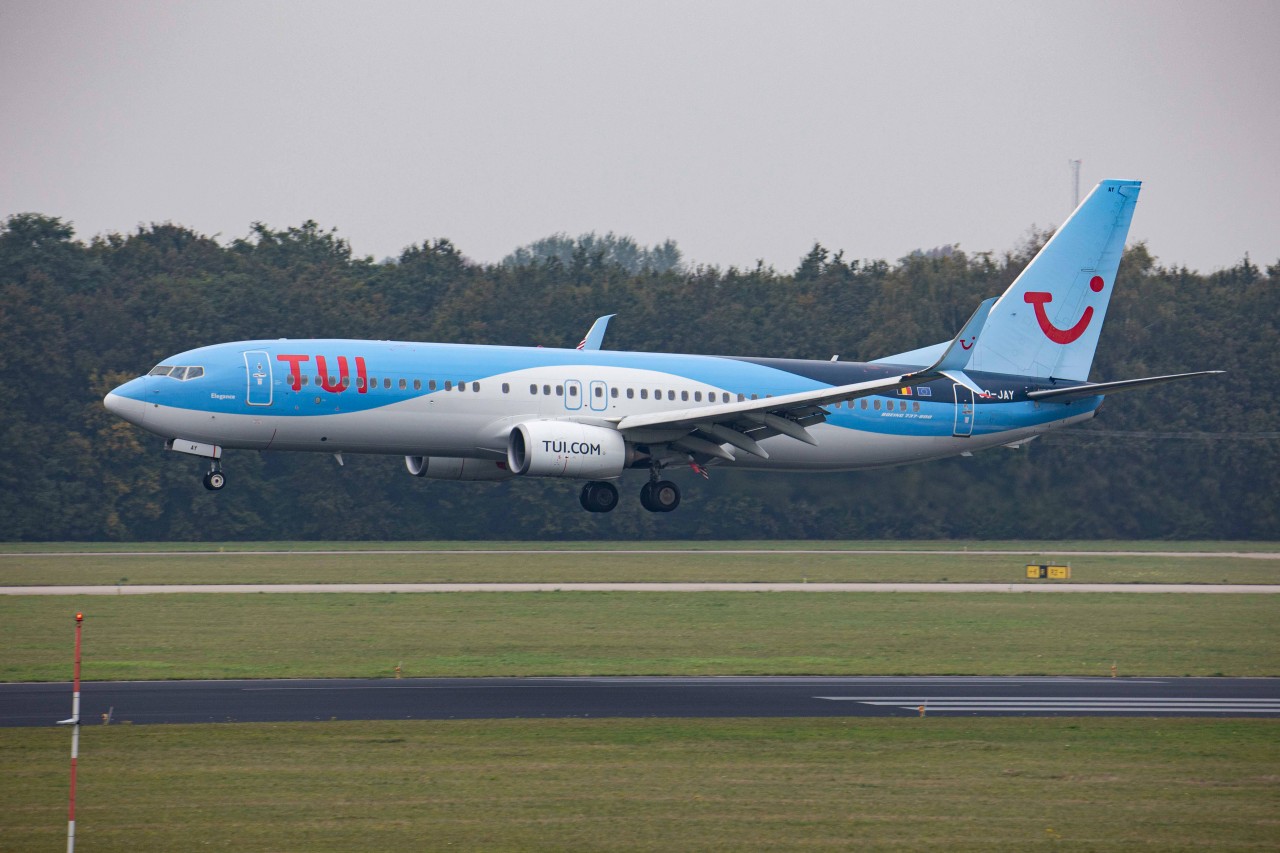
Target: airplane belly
<point x="411" y="428"/>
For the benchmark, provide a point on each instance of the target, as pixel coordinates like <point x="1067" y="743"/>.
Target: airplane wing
<point x="1096" y="388"/>
<point x="704" y="429"/>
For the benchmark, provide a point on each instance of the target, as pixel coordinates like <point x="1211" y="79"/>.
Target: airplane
<point x="1017" y="369"/>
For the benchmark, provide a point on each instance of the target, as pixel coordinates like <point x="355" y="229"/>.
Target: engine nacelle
<point x="454" y="468"/>
<point x="567" y="449"/>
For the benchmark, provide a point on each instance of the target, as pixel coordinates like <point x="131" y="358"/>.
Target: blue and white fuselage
<point x="1018" y="368"/>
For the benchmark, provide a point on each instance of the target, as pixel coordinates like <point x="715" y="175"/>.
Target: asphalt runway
<point x="146" y="702"/>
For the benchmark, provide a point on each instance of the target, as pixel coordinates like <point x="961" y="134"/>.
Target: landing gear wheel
<point x="214" y="480"/>
<point x="599" y="497"/>
<point x="660" y="496"/>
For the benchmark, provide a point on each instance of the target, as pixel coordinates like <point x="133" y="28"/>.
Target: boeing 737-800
<point x="1018" y="368"/>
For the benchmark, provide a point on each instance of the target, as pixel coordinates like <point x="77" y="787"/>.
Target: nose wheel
<point x="214" y="480"/>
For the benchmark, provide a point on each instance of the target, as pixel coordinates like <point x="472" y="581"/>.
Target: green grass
<point x="538" y="565"/>
<point x="1012" y="545"/>
<point x="182" y="636"/>
<point x="847" y="784"/>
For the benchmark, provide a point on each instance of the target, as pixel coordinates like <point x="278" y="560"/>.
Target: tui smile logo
<point x="1040" y="298"/>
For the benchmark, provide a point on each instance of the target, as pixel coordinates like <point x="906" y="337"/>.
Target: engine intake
<point x="567" y="449"/>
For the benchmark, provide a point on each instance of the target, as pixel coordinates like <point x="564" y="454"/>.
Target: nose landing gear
<point x="215" y="479"/>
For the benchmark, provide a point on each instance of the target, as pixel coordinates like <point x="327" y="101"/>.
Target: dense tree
<point x="1197" y="459"/>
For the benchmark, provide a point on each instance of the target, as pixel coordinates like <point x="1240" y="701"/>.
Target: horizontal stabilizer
<point x="1096" y="388"/>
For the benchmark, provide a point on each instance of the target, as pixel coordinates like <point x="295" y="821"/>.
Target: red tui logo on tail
<point x="1040" y="298"/>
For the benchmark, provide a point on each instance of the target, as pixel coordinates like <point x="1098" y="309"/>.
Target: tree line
<point x="1199" y="459"/>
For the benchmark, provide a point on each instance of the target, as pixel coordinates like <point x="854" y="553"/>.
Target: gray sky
<point x="742" y="130"/>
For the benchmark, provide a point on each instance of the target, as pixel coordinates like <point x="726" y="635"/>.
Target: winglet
<point x="595" y="337"/>
<point x="956" y="356"/>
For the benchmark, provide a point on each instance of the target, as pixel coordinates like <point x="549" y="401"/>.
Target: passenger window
<point x="448" y="385"/>
<point x="346" y="382"/>
<point x="559" y="390"/>
<point x="877" y="404"/>
<point x="902" y="405"/>
<point x="863" y="401"/>
<point x="506" y="388"/>
<point x="613" y="392"/>
<point x="360" y="383"/>
<point x="431" y="385"/>
<point x="644" y="393"/>
<point x="631" y="393"/>
<point x="546" y="389"/>
<point x="417" y="384"/>
<point x="475" y="387"/>
<point x="462" y="386"/>
<point x="306" y="380"/>
<point x="725" y="397"/>
<point x="742" y="398"/>
<point x="915" y="405"/>
<point x="573" y="390"/>
<point x="684" y="395"/>
<point x="386" y="382"/>
<point x="671" y="395"/>
<point x="403" y="384"/>
<point x="599" y="391"/>
<point x="533" y="389"/>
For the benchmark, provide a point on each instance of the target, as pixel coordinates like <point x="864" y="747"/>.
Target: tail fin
<point x="1047" y="323"/>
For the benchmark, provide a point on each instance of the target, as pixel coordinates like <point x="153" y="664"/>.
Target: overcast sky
<point x="745" y="131"/>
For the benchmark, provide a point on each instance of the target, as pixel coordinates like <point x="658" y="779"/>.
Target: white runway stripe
<point x="1144" y="705"/>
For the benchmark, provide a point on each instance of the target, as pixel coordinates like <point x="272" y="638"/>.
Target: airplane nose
<point x="125" y="401"/>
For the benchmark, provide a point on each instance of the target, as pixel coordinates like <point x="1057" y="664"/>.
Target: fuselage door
<point x="599" y="396"/>
<point x="572" y="394"/>
<point x="257" y="367"/>
<point x="964" y="412"/>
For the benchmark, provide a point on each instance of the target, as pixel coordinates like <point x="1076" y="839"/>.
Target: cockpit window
<point x="181" y="372"/>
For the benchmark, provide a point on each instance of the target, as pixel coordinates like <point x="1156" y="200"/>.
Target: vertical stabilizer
<point x="1047" y="322"/>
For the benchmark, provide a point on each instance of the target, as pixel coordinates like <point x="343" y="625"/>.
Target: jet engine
<point x="567" y="449"/>
<point x="454" y="468"/>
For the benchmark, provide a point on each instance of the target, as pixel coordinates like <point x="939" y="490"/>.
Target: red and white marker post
<point x="74" y="722"/>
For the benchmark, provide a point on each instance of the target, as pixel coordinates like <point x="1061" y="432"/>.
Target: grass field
<point x="1012" y="545"/>
<point x="849" y="784"/>
<point x="484" y="634"/>
<point x="865" y="784"/>
<point x="538" y="564"/>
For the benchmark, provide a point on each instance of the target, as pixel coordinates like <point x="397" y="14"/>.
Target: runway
<point x="244" y="588"/>
<point x="149" y="702"/>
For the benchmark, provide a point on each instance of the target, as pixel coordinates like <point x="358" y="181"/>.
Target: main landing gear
<point x="215" y="479"/>
<point x="656" y="496"/>
<point x="660" y="496"/>
<point x="599" y="496"/>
